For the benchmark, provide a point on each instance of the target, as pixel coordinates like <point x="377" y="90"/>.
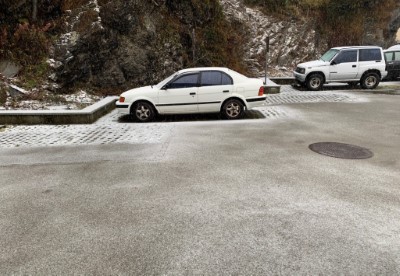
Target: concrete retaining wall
<point x="87" y="115"/>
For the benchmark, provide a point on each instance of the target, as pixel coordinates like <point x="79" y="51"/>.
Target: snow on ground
<point x="114" y="129"/>
<point x="50" y="101"/>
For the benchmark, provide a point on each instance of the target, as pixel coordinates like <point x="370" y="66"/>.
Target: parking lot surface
<point x="200" y="195"/>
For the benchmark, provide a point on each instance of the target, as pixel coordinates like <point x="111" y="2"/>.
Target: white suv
<point x="362" y="64"/>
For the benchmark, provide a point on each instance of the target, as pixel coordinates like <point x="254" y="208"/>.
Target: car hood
<point x="140" y="90"/>
<point x="313" y="64"/>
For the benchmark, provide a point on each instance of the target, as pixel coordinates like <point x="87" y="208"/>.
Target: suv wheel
<point x="314" y="82"/>
<point x="370" y="81"/>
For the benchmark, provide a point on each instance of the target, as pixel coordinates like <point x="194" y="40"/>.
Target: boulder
<point x="9" y="69"/>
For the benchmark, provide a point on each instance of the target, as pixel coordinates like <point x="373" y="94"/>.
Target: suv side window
<point x="370" y="55"/>
<point x="346" y="56"/>
<point x="185" y="81"/>
<point x="211" y="78"/>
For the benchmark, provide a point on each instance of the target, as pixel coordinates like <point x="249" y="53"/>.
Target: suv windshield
<point x="328" y="56"/>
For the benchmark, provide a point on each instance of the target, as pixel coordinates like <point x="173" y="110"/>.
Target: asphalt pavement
<point x="211" y="197"/>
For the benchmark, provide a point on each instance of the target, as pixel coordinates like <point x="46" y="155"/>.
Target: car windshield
<point x="165" y="81"/>
<point x="328" y="56"/>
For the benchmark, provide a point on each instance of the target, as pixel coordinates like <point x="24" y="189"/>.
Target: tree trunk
<point x="34" y="10"/>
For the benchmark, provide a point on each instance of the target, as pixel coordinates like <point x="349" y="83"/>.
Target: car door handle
<point x="192" y="94"/>
<point x="354" y="66"/>
<point x="225" y="91"/>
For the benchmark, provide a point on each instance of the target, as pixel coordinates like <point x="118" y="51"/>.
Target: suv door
<point x="215" y="87"/>
<point x="344" y="66"/>
<point x="179" y="95"/>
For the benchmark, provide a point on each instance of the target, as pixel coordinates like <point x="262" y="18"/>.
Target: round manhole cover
<point x="339" y="150"/>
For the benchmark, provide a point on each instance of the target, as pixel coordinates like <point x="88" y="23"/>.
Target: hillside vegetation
<point x="111" y="45"/>
<point x="118" y="43"/>
<point x="339" y="22"/>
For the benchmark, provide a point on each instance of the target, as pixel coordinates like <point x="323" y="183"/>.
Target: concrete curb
<point x="87" y="115"/>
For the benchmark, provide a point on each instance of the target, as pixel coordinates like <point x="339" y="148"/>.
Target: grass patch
<point x="33" y="76"/>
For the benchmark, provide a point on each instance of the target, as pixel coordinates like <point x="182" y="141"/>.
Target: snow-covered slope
<point x="290" y="41"/>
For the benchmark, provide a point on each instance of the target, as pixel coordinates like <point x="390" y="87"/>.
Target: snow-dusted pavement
<point x="203" y="196"/>
<point x="111" y="129"/>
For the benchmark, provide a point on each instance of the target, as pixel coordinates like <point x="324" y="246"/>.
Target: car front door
<point x="180" y="95"/>
<point x="215" y="87"/>
<point x="396" y="64"/>
<point x="344" y="66"/>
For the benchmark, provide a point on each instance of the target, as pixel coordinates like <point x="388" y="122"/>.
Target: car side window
<point x="389" y="56"/>
<point x="226" y="80"/>
<point x="212" y="78"/>
<point x="185" y="81"/>
<point x="346" y="56"/>
<point x="397" y="56"/>
<point x="370" y="55"/>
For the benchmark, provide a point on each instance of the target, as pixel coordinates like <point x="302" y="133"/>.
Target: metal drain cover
<point x="339" y="150"/>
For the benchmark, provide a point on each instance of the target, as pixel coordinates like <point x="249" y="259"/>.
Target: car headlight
<point x="301" y="70"/>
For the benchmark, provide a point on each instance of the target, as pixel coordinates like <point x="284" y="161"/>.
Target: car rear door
<point x="215" y="87"/>
<point x="180" y="95"/>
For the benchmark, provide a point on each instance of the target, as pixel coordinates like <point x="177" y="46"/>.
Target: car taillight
<point x="261" y="91"/>
<point x="121" y="99"/>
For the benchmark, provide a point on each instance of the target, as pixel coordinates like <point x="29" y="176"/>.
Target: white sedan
<point x="196" y="90"/>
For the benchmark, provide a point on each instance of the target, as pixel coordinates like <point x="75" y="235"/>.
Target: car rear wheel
<point x="232" y="109"/>
<point x="370" y="81"/>
<point x="314" y="82"/>
<point x="143" y="112"/>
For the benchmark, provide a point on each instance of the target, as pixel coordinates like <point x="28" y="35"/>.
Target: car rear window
<point x="215" y="78"/>
<point x="370" y="54"/>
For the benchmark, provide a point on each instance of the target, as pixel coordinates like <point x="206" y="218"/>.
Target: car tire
<point x="233" y="109"/>
<point x="314" y="82"/>
<point x="143" y="112"/>
<point x="370" y="81"/>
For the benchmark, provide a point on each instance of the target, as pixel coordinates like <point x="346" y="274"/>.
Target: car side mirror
<point x="333" y="62"/>
<point x="165" y="87"/>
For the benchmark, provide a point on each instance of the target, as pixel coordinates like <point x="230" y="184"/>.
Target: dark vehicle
<point x="392" y="57"/>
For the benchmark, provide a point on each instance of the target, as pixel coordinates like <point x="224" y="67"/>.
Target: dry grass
<point x="86" y="20"/>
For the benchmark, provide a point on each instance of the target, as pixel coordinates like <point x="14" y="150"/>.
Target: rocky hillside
<point x="108" y="46"/>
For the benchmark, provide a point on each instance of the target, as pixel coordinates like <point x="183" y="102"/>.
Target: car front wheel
<point x="370" y="81"/>
<point x="232" y="109"/>
<point x="314" y="82"/>
<point x="143" y="112"/>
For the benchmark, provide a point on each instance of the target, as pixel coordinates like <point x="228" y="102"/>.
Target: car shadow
<point x="330" y="87"/>
<point x="249" y="115"/>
